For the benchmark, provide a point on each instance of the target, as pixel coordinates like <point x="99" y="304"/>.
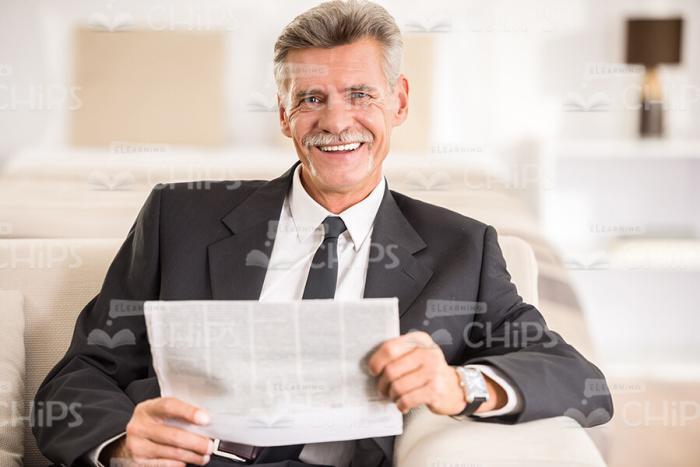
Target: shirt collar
<point x="308" y="215"/>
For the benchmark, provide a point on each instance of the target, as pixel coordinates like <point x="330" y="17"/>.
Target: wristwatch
<point x="475" y="391"/>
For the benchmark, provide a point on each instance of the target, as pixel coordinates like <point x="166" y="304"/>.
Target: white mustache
<point x="329" y="139"/>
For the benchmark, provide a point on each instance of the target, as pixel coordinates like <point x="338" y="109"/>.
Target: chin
<point x="340" y="172"/>
<point x="343" y="182"/>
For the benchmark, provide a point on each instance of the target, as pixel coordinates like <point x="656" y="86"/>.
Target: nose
<point x="335" y="116"/>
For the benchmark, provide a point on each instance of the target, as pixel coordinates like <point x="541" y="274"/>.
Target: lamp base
<point x="651" y="119"/>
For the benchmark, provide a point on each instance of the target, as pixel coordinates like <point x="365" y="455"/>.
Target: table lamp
<point x="651" y="42"/>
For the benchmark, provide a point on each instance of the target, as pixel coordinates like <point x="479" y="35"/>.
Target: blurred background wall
<point x="503" y="70"/>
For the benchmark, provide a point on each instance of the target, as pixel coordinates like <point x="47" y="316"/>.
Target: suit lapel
<point x="238" y="263"/>
<point x="393" y="271"/>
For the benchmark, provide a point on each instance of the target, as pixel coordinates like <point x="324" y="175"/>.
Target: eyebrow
<point x="360" y="87"/>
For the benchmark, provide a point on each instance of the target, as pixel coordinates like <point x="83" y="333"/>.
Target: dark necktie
<point x="323" y="274"/>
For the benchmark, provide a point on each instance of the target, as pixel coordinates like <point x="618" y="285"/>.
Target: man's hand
<point x="413" y="371"/>
<point x="150" y="441"/>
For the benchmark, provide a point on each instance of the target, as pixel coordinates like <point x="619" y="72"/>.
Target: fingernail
<point x="201" y="418"/>
<point x="206" y="459"/>
<point x="210" y="449"/>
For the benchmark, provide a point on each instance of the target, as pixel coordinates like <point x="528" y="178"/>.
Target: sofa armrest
<point x="435" y="440"/>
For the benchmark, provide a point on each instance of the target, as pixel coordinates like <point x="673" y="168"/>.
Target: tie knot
<point x="333" y="226"/>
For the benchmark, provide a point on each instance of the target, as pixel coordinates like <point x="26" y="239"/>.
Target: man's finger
<point x="395" y="348"/>
<point x="407" y="383"/>
<point x="153" y="450"/>
<point x="394" y="370"/>
<point x="170" y="407"/>
<point x="412" y="399"/>
<point x="140" y="456"/>
<point x="149" y="463"/>
<point x="168" y="435"/>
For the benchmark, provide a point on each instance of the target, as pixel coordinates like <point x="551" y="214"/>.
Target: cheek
<point x="382" y="118"/>
<point x="373" y="119"/>
<point x="299" y="127"/>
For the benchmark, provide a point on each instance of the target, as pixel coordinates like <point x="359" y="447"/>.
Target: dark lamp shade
<point x="654" y="41"/>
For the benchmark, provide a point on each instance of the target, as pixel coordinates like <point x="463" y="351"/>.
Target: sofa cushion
<point x="430" y="439"/>
<point x="11" y="379"/>
<point x="57" y="278"/>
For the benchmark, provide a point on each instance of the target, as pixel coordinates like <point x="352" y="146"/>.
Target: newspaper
<point x="276" y="373"/>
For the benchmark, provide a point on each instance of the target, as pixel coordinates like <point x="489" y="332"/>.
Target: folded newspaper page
<point x="276" y="373"/>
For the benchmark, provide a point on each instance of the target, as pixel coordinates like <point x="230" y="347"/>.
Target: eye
<point x="310" y="100"/>
<point x="359" y="95"/>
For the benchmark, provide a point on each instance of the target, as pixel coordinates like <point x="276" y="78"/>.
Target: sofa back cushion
<point x="12" y="401"/>
<point x="56" y="279"/>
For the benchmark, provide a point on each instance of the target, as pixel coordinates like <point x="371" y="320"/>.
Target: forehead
<point x="346" y="65"/>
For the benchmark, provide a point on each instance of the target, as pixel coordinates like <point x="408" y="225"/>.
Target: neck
<point x="338" y="201"/>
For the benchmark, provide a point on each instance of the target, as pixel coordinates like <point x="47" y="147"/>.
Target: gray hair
<point x="336" y="23"/>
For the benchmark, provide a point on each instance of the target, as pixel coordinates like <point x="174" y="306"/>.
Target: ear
<point x="284" y="121"/>
<point x="400" y="111"/>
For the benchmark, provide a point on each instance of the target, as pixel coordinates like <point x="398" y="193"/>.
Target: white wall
<point x="504" y="70"/>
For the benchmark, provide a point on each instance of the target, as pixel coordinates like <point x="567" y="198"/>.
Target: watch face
<point x="476" y="384"/>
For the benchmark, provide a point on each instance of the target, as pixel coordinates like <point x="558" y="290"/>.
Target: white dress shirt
<point x="299" y="234"/>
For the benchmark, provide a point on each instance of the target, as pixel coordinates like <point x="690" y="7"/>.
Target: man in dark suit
<point x="340" y="95"/>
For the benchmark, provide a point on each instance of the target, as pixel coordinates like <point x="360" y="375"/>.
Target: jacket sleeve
<point x="511" y="335"/>
<point x="107" y="364"/>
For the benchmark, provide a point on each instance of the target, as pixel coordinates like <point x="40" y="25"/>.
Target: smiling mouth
<point x="346" y="148"/>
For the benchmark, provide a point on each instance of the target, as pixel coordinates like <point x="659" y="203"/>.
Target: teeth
<point x="342" y="147"/>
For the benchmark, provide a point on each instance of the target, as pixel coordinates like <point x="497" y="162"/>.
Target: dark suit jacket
<point x="204" y="241"/>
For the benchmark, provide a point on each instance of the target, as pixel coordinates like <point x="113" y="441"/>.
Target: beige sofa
<point x="97" y="195"/>
<point x="46" y="282"/>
